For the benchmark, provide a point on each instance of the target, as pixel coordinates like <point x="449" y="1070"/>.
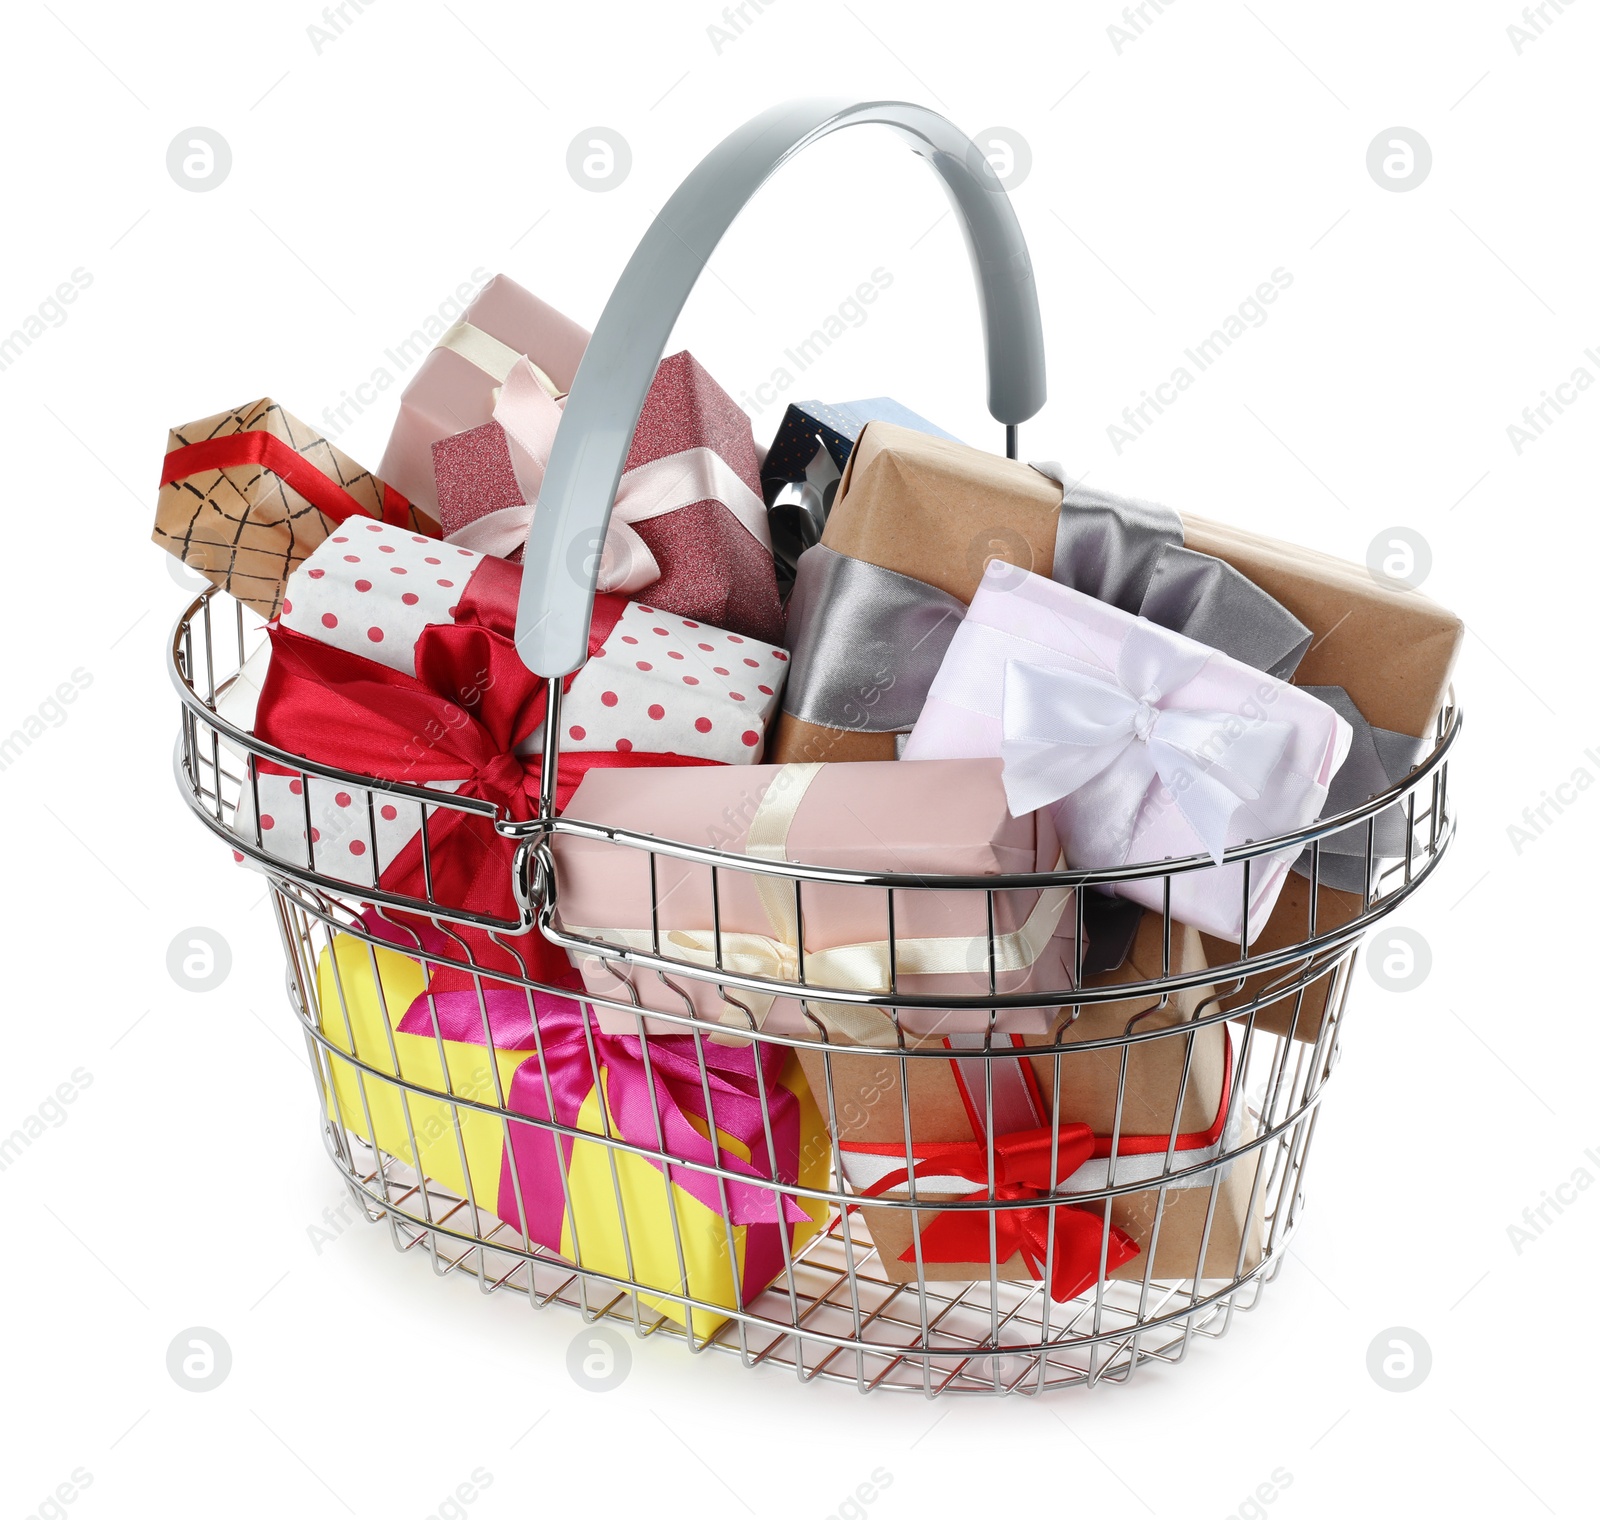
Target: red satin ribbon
<point x="294" y="469"/>
<point x="1021" y="1170"/>
<point x="460" y="719"/>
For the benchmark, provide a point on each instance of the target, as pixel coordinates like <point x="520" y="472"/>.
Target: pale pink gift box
<point x="940" y="818"/>
<point x="1172" y="748"/>
<point x="453" y="388"/>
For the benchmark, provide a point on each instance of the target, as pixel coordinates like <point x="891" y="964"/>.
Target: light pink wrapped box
<point x="453" y="388"/>
<point x="1143" y="745"/>
<point x="946" y="818"/>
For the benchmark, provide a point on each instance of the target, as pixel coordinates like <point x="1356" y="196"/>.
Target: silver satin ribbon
<point x="867" y="664"/>
<point x="864" y="643"/>
<point x="1378" y="759"/>
<point x="1130" y="553"/>
<point x="867" y="642"/>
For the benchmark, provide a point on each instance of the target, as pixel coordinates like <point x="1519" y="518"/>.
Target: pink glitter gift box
<point x="689" y="527"/>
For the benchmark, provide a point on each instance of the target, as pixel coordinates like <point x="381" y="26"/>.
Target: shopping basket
<point x="415" y="1137"/>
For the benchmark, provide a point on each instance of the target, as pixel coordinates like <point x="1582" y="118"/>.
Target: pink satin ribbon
<point x="635" y="1092"/>
<point x="530" y="416"/>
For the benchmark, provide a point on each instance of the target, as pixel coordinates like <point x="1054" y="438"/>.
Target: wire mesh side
<point x="407" y="1136"/>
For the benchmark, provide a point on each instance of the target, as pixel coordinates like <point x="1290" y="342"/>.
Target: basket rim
<point x="540" y="830"/>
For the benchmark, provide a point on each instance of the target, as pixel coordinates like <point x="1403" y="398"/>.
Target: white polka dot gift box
<point x="382" y="628"/>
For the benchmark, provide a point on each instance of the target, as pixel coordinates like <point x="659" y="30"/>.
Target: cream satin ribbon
<point x="486" y="352"/>
<point x="864" y="966"/>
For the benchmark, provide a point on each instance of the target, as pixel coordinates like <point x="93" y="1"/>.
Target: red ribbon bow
<point x="1022" y="1169"/>
<point x="459" y="719"/>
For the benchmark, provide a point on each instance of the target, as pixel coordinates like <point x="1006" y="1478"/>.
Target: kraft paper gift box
<point x="1143" y="744"/>
<point x="394" y="658"/>
<point x="933" y="513"/>
<point x="453" y="388"/>
<point x="563" y="1194"/>
<point x="248" y="494"/>
<point x="688" y="525"/>
<point x="801" y="472"/>
<point x="954" y="1103"/>
<point x="926" y="819"/>
<point x="929" y="514"/>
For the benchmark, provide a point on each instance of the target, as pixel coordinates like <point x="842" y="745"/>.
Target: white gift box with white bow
<point x="1144" y="745"/>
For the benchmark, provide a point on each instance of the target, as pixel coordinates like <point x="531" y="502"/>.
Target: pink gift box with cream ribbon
<point x="941" y="818"/>
<point x="1142" y="745"/>
<point x="453" y="388"/>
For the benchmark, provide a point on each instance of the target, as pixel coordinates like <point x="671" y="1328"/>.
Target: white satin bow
<point x="1107" y="736"/>
<point x="530" y="414"/>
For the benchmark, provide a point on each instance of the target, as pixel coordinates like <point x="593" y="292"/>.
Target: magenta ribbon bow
<point x="735" y="1076"/>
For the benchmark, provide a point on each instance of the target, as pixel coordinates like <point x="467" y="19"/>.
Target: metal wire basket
<point x="416" y="1132"/>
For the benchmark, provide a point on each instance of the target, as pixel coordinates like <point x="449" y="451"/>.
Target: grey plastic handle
<point x="591" y="446"/>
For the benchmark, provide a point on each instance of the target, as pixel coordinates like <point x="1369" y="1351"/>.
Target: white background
<point x="1168" y="179"/>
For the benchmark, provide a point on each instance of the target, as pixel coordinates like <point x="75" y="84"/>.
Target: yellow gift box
<point x="617" y="1212"/>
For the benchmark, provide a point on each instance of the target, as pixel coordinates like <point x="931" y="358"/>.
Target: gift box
<point x="800" y="475"/>
<point x="1177" y="1117"/>
<point x="604" y="1208"/>
<point x="487" y="476"/>
<point x="394" y="658"/>
<point x="1379" y="654"/>
<point x="688" y="521"/>
<point x="877" y="601"/>
<point x="876" y="604"/>
<point x="453" y="388"/>
<point x="809" y="426"/>
<point x="929" y="819"/>
<point x="923" y="516"/>
<point x="1144" y="744"/>
<point x="248" y="494"/>
<point x="933" y="513"/>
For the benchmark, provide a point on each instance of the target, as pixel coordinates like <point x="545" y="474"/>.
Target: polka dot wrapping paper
<point x="349" y="841"/>
<point x="371" y="589"/>
<point x="660" y="684"/>
<point x="663" y="683"/>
